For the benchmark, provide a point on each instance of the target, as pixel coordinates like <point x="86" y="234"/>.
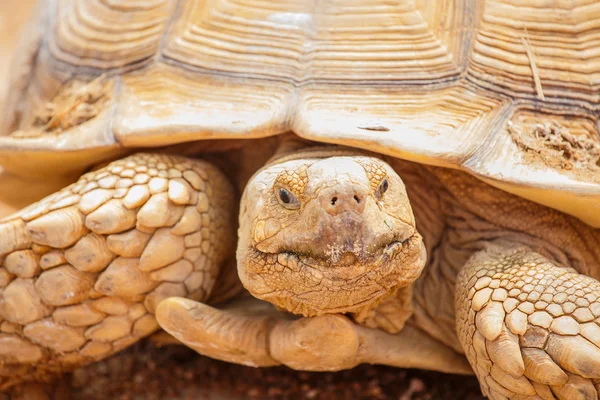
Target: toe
<point x="219" y="334"/>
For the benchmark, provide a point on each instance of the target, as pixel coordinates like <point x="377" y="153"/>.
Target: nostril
<point x="333" y="201"/>
<point x="357" y="199"/>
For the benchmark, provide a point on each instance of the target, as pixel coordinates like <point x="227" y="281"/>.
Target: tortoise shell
<point x="505" y="90"/>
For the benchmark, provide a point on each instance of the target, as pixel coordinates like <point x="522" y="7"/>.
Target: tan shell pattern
<point x="506" y="90"/>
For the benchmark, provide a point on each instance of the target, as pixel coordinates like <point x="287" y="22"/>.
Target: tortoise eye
<point x="383" y="187"/>
<point x="287" y="198"/>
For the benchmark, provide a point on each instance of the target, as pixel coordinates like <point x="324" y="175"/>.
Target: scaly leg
<point x="252" y="332"/>
<point x="528" y="326"/>
<point x="82" y="271"/>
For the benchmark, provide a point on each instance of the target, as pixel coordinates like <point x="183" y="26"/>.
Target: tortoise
<point x="419" y="187"/>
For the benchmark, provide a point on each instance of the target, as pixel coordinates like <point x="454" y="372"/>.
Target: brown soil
<point x="175" y="372"/>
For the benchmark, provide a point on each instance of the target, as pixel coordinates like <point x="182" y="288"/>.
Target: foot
<point x="528" y="326"/>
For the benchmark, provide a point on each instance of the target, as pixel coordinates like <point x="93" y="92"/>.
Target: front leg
<point x="82" y="271"/>
<point x="252" y="332"/>
<point x="528" y="326"/>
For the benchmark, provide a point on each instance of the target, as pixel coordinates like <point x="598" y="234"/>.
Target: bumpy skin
<point x="529" y="326"/>
<point x="84" y="269"/>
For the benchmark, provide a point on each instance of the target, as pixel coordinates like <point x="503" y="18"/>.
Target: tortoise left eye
<point x="287" y="198"/>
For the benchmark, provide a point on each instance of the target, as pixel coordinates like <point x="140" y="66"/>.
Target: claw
<point x="479" y="346"/>
<point x="577" y="388"/>
<point x="495" y="389"/>
<point x="539" y="367"/>
<point x="575" y="354"/>
<point x="506" y="353"/>
<point x="518" y="385"/>
<point x="490" y="319"/>
<point x="543" y="391"/>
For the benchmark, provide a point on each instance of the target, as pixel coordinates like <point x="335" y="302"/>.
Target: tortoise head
<point x="327" y="234"/>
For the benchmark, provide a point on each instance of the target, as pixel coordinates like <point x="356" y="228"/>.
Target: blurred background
<point x="14" y="14"/>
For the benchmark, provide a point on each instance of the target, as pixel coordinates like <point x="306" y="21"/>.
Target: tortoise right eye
<point x="383" y="187"/>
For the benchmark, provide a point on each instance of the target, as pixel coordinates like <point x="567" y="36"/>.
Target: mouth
<point x="309" y="285"/>
<point x="383" y="254"/>
<point x="336" y="259"/>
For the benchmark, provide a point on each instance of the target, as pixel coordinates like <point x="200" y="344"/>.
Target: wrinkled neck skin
<point x="327" y="229"/>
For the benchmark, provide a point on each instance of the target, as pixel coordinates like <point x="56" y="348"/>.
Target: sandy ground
<point x="177" y="373"/>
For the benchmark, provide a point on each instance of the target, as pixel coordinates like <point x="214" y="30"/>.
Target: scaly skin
<point x="528" y="326"/>
<point x="83" y="270"/>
